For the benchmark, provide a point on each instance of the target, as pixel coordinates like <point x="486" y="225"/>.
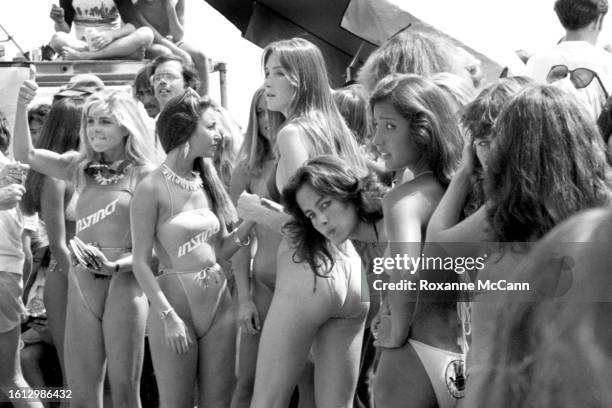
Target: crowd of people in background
<point x="153" y="253"/>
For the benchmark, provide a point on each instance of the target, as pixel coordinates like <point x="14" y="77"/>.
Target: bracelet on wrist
<point x="165" y="313"/>
<point x="240" y="243"/>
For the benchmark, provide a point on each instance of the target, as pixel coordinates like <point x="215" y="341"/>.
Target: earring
<point x="186" y="150"/>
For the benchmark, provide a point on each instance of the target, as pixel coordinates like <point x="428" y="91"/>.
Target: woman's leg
<point x="295" y="315"/>
<point x="401" y="380"/>
<point x="84" y="341"/>
<point x="134" y="43"/>
<point x="337" y="351"/>
<point x="10" y="370"/>
<point x="217" y="353"/>
<point x="175" y="373"/>
<point x="124" y="322"/>
<point x="247" y="354"/>
<point x="31" y="358"/>
<point x="56" y="298"/>
<point x="59" y="40"/>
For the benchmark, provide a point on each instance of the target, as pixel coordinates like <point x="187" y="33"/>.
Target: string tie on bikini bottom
<point x="204" y="276"/>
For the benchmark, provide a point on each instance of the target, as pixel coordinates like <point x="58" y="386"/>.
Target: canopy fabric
<point x="338" y="27"/>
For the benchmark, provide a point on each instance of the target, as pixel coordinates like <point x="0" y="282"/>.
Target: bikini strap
<point x="169" y="195"/>
<point x="133" y="180"/>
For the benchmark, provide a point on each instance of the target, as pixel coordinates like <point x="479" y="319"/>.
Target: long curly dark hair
<point x="333" y="177"/>
<point x="177" y="122"/>
<point x="547" y="162"/>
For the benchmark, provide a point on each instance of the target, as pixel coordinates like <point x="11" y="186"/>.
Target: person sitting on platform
<point x="103" y="30"/>
<point x="166" y="18"/>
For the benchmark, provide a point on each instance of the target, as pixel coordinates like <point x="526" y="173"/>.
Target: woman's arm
<point x="175" y="9"/>
<point x="403" y="221"/>
<point x="293" y="152"/>
<point x="248" y="316"/>
<point x="143" y="220"/>
<point x="44" y="161"/>
<point x="461" y="238"/>
<point x="447" y="214"/>
<point x="52" y="213"/>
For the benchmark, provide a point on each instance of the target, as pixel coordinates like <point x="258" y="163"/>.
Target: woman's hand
<point x="249" y="207"/>
<point x="384" y="334"/>
<point x="57" y="14"/>
<point x="176" y="334"/>
<point x="248" y="317"/>
<point x="10" y="196"/>
<point x="104" y="266"/>
<point x="27" y="91"/>
<point x="468" y="157"/>
<point x="14" y="173"/>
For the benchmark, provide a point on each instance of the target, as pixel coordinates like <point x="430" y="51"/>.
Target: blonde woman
<point x="254" y="173"/>
<point x="106" y="308"/>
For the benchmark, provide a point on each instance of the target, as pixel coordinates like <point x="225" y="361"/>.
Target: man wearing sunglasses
<point x="577" y="56"/>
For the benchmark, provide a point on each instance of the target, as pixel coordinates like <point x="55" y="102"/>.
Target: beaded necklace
<point x="190" y="185"/>
<point x="104" y="174"/>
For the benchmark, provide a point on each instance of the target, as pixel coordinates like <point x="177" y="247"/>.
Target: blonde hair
<point x="312" y="108"/>
<point x="124" y="109"/>
<point x="412" y="52"/>
<point x="458" y="88"/>
<point x="256" y="148"/>
<point x="225" y="158"/>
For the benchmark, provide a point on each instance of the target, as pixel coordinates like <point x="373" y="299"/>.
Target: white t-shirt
<point x="101" y="15"/>
<point x="575" y="54"/>
<point x="11" y="228"/>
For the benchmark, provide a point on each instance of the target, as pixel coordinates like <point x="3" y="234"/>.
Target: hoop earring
<point x="186" y="150"/>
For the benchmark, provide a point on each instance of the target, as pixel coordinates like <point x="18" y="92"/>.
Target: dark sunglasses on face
<point x="580" y="77"/>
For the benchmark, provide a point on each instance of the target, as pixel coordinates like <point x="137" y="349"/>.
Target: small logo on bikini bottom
<point x="455" y="378"/>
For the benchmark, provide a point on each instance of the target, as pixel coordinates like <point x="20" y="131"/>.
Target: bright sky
<point x="204" y="26"/>
<point x="494" y="27"/>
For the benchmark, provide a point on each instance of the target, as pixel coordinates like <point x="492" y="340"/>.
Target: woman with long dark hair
<point x="183" y="211"/>
<point x="416" y="131"/>
<point x="320" y="303"/>
<point x="547" y="162"/>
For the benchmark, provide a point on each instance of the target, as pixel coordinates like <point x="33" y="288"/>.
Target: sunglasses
<point x="166" y="76"/>
<point x="580" y="77"/>
<point x="105" y="170"/>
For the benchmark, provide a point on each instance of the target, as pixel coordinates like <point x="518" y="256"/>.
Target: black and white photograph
<point x="305" y="203"/>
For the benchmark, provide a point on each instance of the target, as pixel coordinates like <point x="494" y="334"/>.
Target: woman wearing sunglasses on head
<point x="182" y="211"/>
<point x="106" y="308"/>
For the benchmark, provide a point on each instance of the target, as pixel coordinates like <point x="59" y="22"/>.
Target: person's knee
<point x="144" y="36"/>
<point x="30" y="357"/>
<point x="157" y="50"/>
<point x="58" y="40"/>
